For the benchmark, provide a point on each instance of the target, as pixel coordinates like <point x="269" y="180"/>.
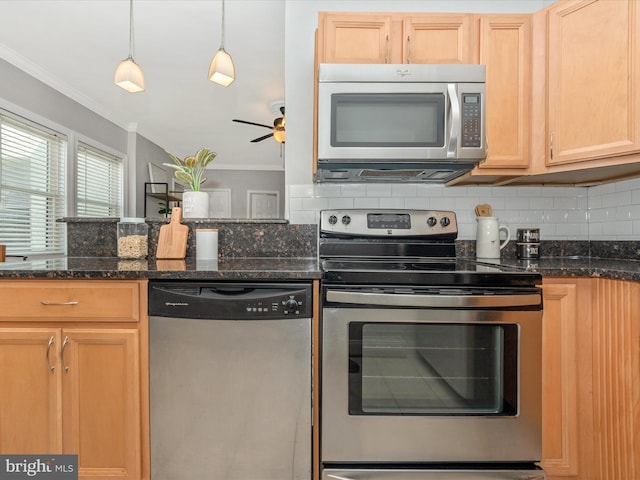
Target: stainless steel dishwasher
<point x="230" y="380"/>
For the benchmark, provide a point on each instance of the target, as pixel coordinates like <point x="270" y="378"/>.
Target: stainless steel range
<point x="431" y="365"/>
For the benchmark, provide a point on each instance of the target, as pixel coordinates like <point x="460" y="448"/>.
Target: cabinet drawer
<point x="70" y="300"/>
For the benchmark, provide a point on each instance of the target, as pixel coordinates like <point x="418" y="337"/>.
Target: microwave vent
<point x="366" y="173"/>
<point x="423" y="174"/>
<point x="390" y="172"/>
<point x="337" y="174"/>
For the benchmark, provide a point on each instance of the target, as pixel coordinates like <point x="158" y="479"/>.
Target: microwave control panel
<point x="471" y="120"/>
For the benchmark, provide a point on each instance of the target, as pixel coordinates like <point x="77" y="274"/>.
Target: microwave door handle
<point x="454" y="107"/>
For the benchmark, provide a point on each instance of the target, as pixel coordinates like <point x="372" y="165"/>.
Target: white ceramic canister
<point x="206" y="243"/>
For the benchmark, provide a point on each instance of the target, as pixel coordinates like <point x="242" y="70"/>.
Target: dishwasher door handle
<point x="434" y="301"/>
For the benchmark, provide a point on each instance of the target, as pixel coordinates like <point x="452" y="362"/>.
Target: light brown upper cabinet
<point x="439" y="38"/>
<point x="505" y="49"/>
<point x="354" y="38"/>
<point x="593" y="80"/>
<point x="361" y="37"/>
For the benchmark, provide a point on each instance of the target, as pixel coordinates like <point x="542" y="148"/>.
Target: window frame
<point x="79" y="142"/>
<point x="70" y="192"/>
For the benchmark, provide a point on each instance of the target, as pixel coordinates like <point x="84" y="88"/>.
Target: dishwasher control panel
<point x="230" y="301"/>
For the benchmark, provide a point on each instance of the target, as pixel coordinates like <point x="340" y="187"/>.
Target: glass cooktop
<point x="424" y="271"/>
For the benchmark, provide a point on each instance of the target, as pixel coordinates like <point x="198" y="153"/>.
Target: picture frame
<point x="157" y="174"/>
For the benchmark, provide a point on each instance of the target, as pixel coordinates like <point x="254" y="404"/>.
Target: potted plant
<point x="191" y="171"/>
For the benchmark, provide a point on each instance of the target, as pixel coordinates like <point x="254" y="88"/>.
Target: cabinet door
<point x="593" y="81"/>
<point x="102" y="419"/>
<point x="354" y="38"/>
<point x="616" y="379"/>
<point x="560" y="409"/>
<point x="439" y="38"/>
<point x="505" y="49"/>
<point x="30" y="393"/>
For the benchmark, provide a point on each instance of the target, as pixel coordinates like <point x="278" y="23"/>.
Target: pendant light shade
<point x="129" y="76"/>
<point x="221" y="70"/>
<point x="128" y="73"/>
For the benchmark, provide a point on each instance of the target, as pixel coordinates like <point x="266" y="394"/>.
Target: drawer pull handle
<point x="64" y="344"/>
<point x="46" y="302"/>
<point x="51" y="367"/>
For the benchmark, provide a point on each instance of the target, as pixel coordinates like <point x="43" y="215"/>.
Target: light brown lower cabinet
<point x="76" y="385"/>
<point x="591" y="379"/>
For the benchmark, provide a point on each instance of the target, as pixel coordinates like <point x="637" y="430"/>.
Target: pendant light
<point x="128" y="73"/>
<point x="221" y="70"/>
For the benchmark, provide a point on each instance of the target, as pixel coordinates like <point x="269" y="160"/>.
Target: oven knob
<point x="333" y="220"/>
<point x="346" y="220"/>
<point x="444" y="221"/>
<point x="431" y="221"/>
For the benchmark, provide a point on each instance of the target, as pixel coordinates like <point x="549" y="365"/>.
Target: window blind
<point x="99" y="183"/>
<point x="32" y="197"/>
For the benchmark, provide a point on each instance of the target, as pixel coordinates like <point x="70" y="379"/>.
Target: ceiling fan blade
<point x="259" y="139"/>
<point x="252" y="123"/>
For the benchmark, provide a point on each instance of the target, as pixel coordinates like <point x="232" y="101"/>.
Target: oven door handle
<point x="436" y="301"/>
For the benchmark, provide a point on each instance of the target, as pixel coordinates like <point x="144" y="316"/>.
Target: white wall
<point x="608" y="212"/>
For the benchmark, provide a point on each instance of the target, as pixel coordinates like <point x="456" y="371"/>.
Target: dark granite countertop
<point x="285" y="268"/>
<point x="579" y="266"/>
<point x="227" y="268"/>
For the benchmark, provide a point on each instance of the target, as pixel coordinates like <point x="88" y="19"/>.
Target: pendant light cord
<point x="222" y="39"/>
<point x="131" y="29"/>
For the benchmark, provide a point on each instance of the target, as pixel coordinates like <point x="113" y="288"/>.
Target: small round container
<point x="527" y="250"/>
<point x="528" y="235"/>
<point x="133" y="238"/>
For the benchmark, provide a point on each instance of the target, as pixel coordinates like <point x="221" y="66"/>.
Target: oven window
<point x="387" y="120"/>
<point x="433" y="369"/>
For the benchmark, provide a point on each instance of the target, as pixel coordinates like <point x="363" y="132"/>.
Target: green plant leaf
<point x="175" y="159"/>
<point x="171" y="165"/>
<point x="190" y="169"/>
<point x="184" y="177"/>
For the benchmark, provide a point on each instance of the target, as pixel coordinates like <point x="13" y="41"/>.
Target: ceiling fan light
<point x="221" y="70"/>
<point x="129" y="76"/>
<point x="279" y="135"/>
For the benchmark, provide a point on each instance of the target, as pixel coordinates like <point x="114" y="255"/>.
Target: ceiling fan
<point x="278" y="128"/>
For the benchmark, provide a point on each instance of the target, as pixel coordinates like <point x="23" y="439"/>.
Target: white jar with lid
<point x="133" y="238"/>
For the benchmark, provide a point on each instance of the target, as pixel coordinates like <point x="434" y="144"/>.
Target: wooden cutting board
<point x="172" y="241"/>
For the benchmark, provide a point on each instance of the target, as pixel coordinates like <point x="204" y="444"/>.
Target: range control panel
<point x="228" y="301"/>
<point x="389" y="223"/>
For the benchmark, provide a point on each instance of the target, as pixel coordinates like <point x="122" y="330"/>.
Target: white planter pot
<point x="195" y="204"/>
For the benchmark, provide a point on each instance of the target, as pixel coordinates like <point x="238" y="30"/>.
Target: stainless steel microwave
<point x="382" y="122"/>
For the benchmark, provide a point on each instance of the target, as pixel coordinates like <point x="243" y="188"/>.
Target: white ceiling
<point x="75" y="46"/>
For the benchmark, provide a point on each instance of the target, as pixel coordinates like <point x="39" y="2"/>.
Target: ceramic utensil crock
<point x="488" y="243"/>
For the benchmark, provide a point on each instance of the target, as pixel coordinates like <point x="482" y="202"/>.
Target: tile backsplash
<point x="606" y="212"/>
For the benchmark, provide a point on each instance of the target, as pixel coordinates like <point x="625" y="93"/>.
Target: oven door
<point x="409" y="376"/>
